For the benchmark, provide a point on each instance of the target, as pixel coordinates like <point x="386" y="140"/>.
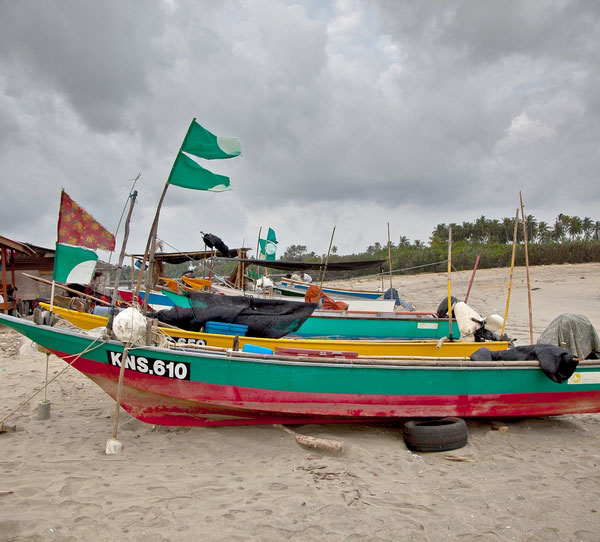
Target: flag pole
<point x="527" y="269"/>
<point x="151" y="243"/>
<point x="257" y="250"/>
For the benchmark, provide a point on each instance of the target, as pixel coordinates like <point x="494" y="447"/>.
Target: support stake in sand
<point x="44" y="405"/>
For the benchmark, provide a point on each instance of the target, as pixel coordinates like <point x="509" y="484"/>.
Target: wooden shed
<point x="17" y="258"/>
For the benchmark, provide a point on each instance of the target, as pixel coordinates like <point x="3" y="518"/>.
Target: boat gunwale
<point x="367" y="362"/>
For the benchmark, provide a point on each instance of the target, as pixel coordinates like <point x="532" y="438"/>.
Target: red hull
<point x="184" y="403"/>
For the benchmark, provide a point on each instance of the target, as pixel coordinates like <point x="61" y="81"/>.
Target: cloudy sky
<point x="352" y="114"/>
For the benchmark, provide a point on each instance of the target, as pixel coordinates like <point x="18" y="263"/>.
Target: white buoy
<point x="494" y="323"/>
<point x="129" y="326"/>
<point x="113" y="446"/>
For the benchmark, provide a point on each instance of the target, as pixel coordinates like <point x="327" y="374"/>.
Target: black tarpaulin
<point x="271" y="318"/>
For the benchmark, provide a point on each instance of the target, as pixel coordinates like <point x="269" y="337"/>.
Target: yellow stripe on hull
<point x="363" y="348"/>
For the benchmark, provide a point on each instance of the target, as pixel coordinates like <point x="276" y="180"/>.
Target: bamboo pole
<point x="113" y="445"/>
<point x="527" y="269"/>
<point x="326" y="260"/>
<point x="113" y="301"/>
<point x="472" y="277"/>
<point x="151" y="242"/>
<point x="512" y="266"/>
<point x="389" y="255"/>
<point x="66" y="288"/>
<point x="449" y="289"/>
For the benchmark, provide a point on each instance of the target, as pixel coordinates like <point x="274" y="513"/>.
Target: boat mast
<point x="113" y="301"/>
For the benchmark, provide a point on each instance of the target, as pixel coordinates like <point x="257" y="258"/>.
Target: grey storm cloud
<point x="350" y="113"/>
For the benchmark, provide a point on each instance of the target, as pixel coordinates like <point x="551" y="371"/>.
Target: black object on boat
<point x="270" y="318"/>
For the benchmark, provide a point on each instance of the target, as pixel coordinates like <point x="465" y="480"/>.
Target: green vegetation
<point x="570" y="239"/>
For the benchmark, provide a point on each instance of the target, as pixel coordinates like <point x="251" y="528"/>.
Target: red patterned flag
<point x="77" y="227"/>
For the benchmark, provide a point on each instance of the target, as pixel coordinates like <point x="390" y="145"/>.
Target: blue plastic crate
<point x="222" y="328"/>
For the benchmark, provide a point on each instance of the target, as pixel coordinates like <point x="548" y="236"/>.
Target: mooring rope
<point x="87" y="349"/>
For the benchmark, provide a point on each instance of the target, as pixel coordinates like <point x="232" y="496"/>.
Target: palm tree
<point x="532" y="228"/>
<point x="558" y="233"/>
<point x="543" y="232"/>
<point x="588" y="228"/>
<point x="575" y="227"/>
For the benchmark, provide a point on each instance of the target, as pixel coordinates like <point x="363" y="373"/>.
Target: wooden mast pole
<point x="151" y="243"/>
<point x="113" y="300"/>
<point x="472" y="277"/>
<point x="449" y="290"/>
<point x="326" y="260"/>
<point x="389" y="254"/>
<point x="512" y="266"/>
<point x="527" y="269"/>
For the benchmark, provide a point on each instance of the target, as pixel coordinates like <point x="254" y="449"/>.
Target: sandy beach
<point x="533" y="480"/>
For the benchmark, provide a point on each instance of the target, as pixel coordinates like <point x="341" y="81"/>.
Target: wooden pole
<point x="119" y="389"/>
<point x="512" y="266"/>
<point x="449" y="273"/>
<point x="66" y="288"/>
<point x="527" y="269"/>
<point x="326" y="260"/>
<point x="151" y="243"/>
<point x="132" y="272"/>
<point x="115" y="292"/>
<point x="389" y="255"/>
<point x="472" y="277"/>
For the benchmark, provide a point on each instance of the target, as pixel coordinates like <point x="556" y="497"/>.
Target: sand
<point x="535" y="480"/>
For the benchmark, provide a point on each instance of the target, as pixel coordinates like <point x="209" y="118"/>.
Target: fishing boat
<point x="356" y="324"/>
<point x="298" y="345"/>
<point x="184" y="387"/>
<point x="167" y="298"/>
<point x="289" y="286"/>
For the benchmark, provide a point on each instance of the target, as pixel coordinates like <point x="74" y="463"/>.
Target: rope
<point x="87" y="349"/>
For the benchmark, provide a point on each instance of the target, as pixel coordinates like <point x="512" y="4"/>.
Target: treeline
<point x="570" y="239"/>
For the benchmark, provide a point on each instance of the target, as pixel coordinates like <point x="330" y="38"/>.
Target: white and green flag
<point x="74" y="264"/>
<point x="200" y="143"/>
<point x="268" y="246"/>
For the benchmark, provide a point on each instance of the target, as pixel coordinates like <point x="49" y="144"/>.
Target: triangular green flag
<point x="188" y="174"/>
<point x="271" y="236"/>
<point x="200" y="142"/>
<point x="268" y="246"/>
<point x="73" y="264"/>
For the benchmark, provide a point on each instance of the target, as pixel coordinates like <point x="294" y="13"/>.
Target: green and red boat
<point x="184" y="387"/>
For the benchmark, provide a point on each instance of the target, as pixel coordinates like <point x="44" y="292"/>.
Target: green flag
<point x="268" y="246"/>
<point x="188" y="174"/>
<point x="73" y="264"/>
<point x="200" y="142"/>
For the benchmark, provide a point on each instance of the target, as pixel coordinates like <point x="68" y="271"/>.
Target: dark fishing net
<point x="270" y="318"/>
